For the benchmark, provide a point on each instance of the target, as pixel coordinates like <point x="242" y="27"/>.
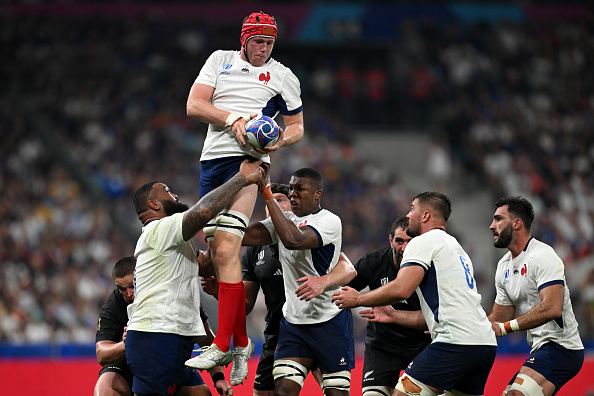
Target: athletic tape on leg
<point x="209" y="230"/>
<point x="410" y="386"/>
<point x="290" y="370"/>
<point x="376" y="391"/>
<point x="232" y="221"/>
<point x="340" y="380"/>
<point x="527" y="385"/>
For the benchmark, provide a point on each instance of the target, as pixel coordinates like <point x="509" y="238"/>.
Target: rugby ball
<point x="262" y="131"/>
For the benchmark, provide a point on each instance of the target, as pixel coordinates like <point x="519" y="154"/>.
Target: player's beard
<point x="414" y="229"/>
<point x="397" y="256"/>
<point x="173" y="207"/>
<point x="505" y="237"/>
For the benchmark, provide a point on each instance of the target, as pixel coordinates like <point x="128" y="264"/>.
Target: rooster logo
<point x="265" y="77"/>
<point x="524" y="270"/>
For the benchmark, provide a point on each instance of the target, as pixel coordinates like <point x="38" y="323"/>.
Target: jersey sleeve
<point x="208" y="73"/>
<point x="549" y="269"/>
<point x="247" y="265"/>
<point x="328" y="229"/>
<point x="418" y="253"/>
<point x="501" y="296"/>
<point x="361" y="281"/>
<point x="291" y="95"/>
<point x="270" y="227"/>
<point x="167" y="234"/>
<point x="108" y="328"/>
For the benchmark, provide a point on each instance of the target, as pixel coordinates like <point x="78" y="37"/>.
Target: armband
<point x="234" y="117"/>
<point x="267" y="193"/>
<point x="216" y="377"/>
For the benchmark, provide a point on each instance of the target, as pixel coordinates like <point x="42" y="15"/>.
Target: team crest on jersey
<point x="384" y="281"/>
<point x="264" y="77"/>
<point x="302" y="224"/>
<point x="225" y="68"/>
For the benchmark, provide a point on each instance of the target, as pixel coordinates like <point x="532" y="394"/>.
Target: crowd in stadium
<point x="93" y="109"/>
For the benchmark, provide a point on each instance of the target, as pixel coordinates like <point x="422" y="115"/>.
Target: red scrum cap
<point x="258" y="24"/>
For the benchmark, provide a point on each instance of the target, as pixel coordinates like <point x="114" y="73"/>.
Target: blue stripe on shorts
<point x="157" y="362"/>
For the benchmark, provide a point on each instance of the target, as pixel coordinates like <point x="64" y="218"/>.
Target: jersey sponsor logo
<point x="279" y="272"/>
<point x="384" y="281"/>
<point x="225" y="68"/>
<point x="265" y="77"/>
<point x="342" y="361"/>
<point x="245" y="69"/>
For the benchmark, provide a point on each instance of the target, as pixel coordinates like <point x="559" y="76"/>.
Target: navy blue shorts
<point x="216" y="172"/>
<point x="557" y="364"/>
<point x="157" y="362"/>
<point x="464" y="368"/>
<point x="330" y="344"/>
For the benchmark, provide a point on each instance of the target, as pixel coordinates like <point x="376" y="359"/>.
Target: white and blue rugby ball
<point x="262" y="131"/>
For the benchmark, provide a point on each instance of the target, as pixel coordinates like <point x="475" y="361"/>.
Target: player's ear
<point x="154" y="204"/>
<point x="318" y="195"/>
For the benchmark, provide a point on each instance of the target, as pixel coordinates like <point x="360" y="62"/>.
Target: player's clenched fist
<point x="347" y="297"/>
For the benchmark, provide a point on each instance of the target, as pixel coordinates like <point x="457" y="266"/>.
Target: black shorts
<point x="382" y="367"/>
<point x="125" y="372"/>
<point x="264" y="380"/>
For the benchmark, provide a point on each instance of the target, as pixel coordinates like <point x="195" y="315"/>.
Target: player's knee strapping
<point x="376" y="391"/>
<point x="340" y="380"/>
<point x="209" y="230"/>
<point x="290" y="370"/>
<point x="528" y="386"/>
<point x="232" y="221"/>
<point x="410" y="386"/>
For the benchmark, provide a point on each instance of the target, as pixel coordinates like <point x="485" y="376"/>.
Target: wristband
<point x="218" y="376"/>
<point x="234" y="117"/>
<point x="509" y="327"/>
<point x="267" y="193"/>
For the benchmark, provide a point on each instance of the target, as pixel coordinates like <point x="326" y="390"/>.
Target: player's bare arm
<point x="387" y="314"/>
<point x="199" y="107"/>
<point x="313" y="286"/>
<point x="251" y="295"/>
<point x="256" y="235"/>
<point x="399" y="289"/>
<point x="110" y="352"/>
<point x="293" y="237"/>
<point x="212" y="203"/>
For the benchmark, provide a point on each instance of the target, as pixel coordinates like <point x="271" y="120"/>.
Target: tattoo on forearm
<point x="210" y="205"/>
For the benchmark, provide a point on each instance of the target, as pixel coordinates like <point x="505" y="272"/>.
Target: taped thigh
<point x="209" y="230"/>
<point x="410" y="386"/>
<point x="340" y="380"/>
<point x="284" y="368"/>
<point x="527" y="385"/>
<point x="376" y="391"/>
<point x="232" y="221"/>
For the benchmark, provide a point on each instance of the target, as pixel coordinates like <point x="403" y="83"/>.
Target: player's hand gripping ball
<point x="262" y="131"/>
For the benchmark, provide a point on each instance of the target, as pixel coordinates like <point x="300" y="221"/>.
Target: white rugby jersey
<point x="166" y="283"/>
<point x="448" y="293"/>
<point x="245" y="89"/>
<point x="317" y="262"/>
<point x="518" y="282"/>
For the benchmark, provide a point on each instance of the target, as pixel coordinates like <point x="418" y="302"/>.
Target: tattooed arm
<point x="212" y="203"/>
